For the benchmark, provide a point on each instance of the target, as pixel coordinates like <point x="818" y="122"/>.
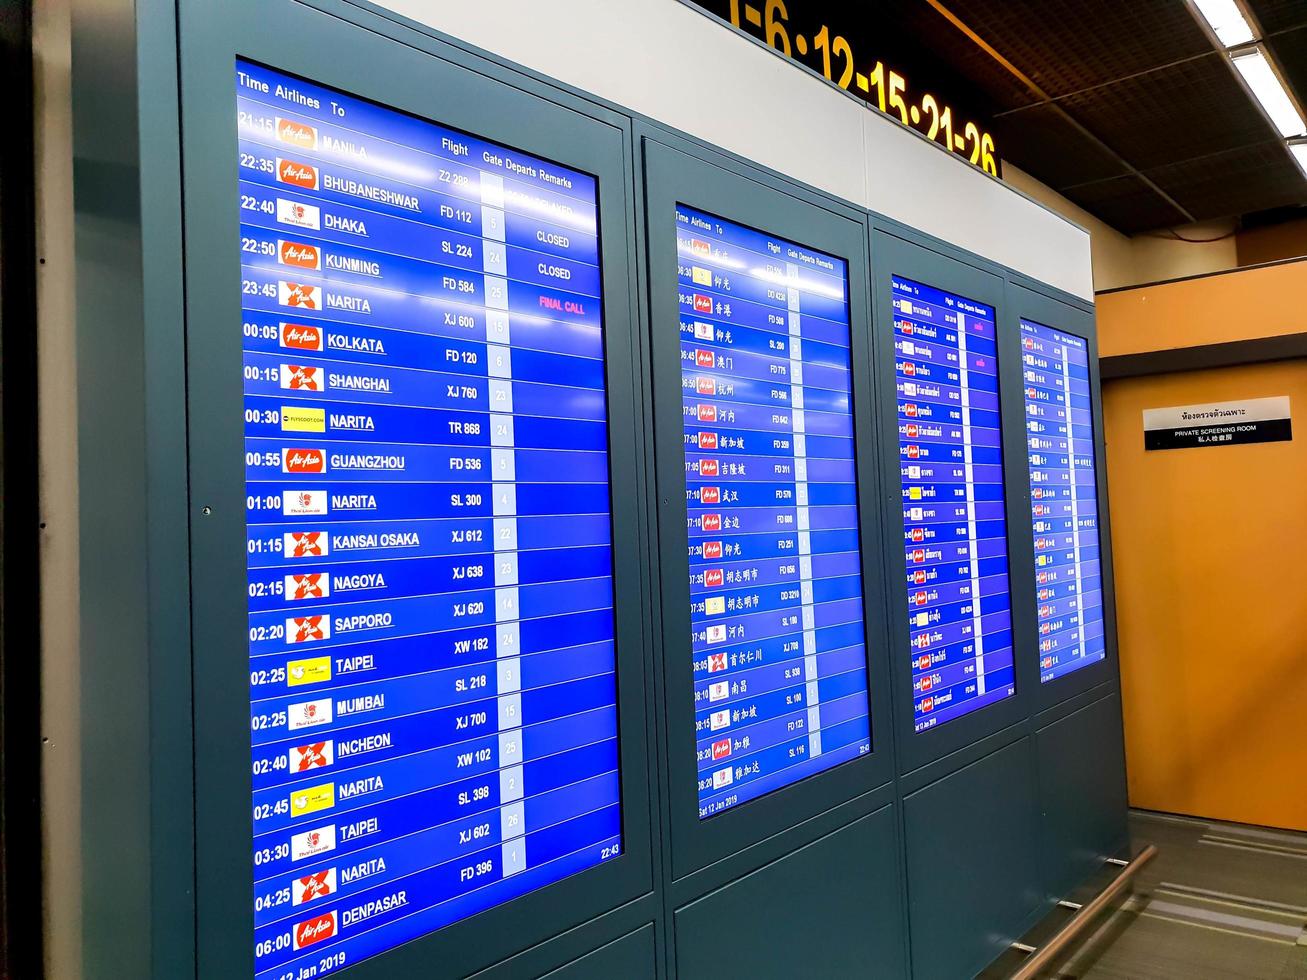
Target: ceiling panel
<point x="1226" y="185"/>
<point x="1126" y="203"/>
<point x="1192" y="109"/>
<point x="1290" y="53"/>
<point x="1042" y="141"/>
<point x="1278" y="15"/>
<point x="1068" y="45"/>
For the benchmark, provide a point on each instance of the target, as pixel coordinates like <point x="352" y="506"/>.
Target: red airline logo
<point x="301" y="336"/>
<point x="709" y="467"/>
<point x="298" y="174"/>
<point x="911" y="430"/>
<point x="298" y="294"/>
<point x="909" y="368"/>
<point x="315" y="930"/>
<point x="716" y="662"/>
<point x="928" y="705"/>
<point x="704" y="358"/>
<point x="918" y="578"/>
<point x="315" y="886"/>
<point x="918" y="556"/>
<point x="300" y="377"/>
<point x="702" y="303"/>
<point x="307" y="544"/>
<point x="711" y="522"/>
<point x="705" y="386"/>
<point x="297" y="134"/>
<point x="712" y="550"/>
<point x="710" y="495"/>
<point x="714" y="578"/>
<point x="303" y="461"/>
<point x="308" y="586"/>
<point x="315" y="756"/>
<point x="308" y="628"/>
<point x="707" y="413"/>
<point x="918" y="534"/>
<point x="298" y="254"/>
<point x="914" y="452"/>
<point x="927" y="683"/>
<point x="910" y="411"/>
<point x="707" y="440"/>
<point x="721" y="749"/>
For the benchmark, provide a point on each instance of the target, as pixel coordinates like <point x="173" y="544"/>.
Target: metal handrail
<point x="1058" y="942"/>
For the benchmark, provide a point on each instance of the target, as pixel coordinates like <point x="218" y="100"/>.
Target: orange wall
<point x="1241" y="305"/>
<point x="1210" y="549"/>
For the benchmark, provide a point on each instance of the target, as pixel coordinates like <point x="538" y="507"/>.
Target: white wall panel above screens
<point x="675" y="65"/>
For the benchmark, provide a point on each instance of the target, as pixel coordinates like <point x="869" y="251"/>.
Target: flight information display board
<point x="1064" y="500"/>
<point x="776" y="610"/>
<point x="954" y="524"/>
<point x="431" y="627"/>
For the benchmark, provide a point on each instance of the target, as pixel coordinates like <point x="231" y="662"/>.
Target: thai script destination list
<point x="431" y="632"/>
<point x="777" y="632"/>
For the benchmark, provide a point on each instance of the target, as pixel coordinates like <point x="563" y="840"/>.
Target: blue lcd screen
<point x="431" y="654"/>
<point x="1064" y="500"/>
<point x="954" y="521"/>
<point x="776" y="610"/>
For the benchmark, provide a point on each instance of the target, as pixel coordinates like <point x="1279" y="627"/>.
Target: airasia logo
<point x="911" y="431"/>
<point x="300" y="377"/>
<point x="307" y="544"/>
<point x="910" y="411"/>
<point x="710" y="495"/>
<point x="914" y="452"/>
<point x="299" y="255"/>
<point x="298" y="174"/>
<point x="705" y="386"/>
<point x="301" y="336"/>
<point x="716" y="662"/>
<point x="702" y="303"/>
<point x="308" y="757"/>
<point x="928" y="705"/>
<point x="712" y="549"/>
<point x="918" y="534"/>
<point x="303" y="461"/>
<point x="927" y="682"/>
<point x="298" y="295"/>
<point x="306" y="629"/>
<point x="707" y="413"/>
<point x="308" y="586"/>
<point x="315" y="930"/>
<point x="704" y="358"/>
<point x="918" y="556"/>
<point x="297" y="134"/>
<point x="909" y="368"/>
<point x="919" y="578"/>
<point x="711" y="522"/>
<point x="707" y="440"/>
<point x="709" y="467"/>
<point x="721" y="749"/>
<point x="713" y="578"/>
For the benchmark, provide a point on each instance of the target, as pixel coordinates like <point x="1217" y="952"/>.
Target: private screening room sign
<point x="1220" y="424"/>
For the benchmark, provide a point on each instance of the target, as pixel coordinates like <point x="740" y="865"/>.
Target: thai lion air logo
<point x="314" y="930"/>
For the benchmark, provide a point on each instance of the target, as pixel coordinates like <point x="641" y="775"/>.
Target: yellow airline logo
<point x="914" y="493"/>
<point x="297" y="419"/>
<point x="312" y="671"/>
<point x="702" y="276"/>
<point x="312" y="799"/>
<point x="715" y="605"/>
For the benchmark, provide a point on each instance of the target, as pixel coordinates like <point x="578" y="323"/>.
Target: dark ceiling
<point x="1127" y="107"/>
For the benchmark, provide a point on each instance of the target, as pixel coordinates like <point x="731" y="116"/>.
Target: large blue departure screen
<point x="776" y="612"/>
<point x="433" y="701"/>
<point x="954" y="526"/>
<point x="1064" y="500"/>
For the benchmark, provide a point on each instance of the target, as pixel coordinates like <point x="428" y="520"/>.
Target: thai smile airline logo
<point x="316" y="585"/>
<point x="298" y="294"/>
<point x="310" y="888"/>
<point x="298" y="254"/>
<point x="297" y="174"/>
<point x="305" y="544"/>
<point x="301" y="336"/>
<point x="308" y="629"/>
<point x="315" y="930"/>
<point x="297" y="133"/>
<point x="301" y="460"/>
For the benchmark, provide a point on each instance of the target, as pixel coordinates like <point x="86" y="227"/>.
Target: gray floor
<point x="1220" y="901"/>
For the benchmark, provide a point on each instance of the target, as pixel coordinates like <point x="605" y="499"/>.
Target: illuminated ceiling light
<point x="1299" y="151"/>
<point x="1266" y="86"/>
<point x="1227" y="21"/>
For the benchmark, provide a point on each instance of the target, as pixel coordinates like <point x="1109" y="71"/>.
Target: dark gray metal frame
<point x="674" y="176"/>
<point x="292" y="38"/>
